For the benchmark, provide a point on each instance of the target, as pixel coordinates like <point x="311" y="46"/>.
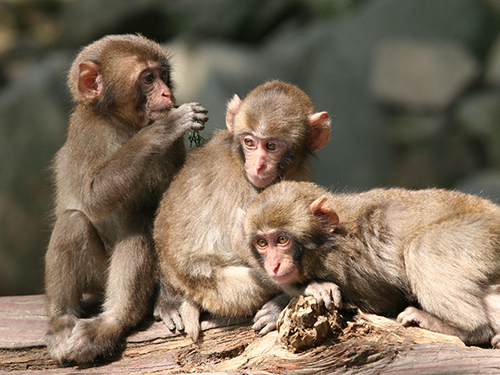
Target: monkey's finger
<point x="326" y="296"/>
<point x="336" y="297"/>
<point x="267" y="328"/>
<point x="196" y="107"/>
<point x="200" y="117"/>
<point x="264" y="323"/>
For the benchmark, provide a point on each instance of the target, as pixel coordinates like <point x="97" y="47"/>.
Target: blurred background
<point x="412" y="88"/>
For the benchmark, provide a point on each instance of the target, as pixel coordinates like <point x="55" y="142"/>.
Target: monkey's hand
<point x="266" y="318"/>
<point x="326" y="292"/>
<point x="189" y="116"/>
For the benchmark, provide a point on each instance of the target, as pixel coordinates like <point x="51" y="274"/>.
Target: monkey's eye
<point x="261" y="242"/>
<point x="148" y="78"/>
<point x="249" y="142"/>
<point x="282" y="239"/>
<point x="164" y="75"/>
<point x="271" y="146"/>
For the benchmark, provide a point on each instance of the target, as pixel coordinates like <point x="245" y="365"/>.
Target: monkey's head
<point x="284" y="228"/>
<point x="123" y="76"/>
<point x="274" y="129"/>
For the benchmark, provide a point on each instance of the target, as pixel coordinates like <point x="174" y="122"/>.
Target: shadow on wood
<point x="368" y="345"/>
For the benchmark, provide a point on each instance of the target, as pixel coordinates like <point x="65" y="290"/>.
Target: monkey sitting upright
<point x="429" y="257"/>
<point x="123" y="147"/>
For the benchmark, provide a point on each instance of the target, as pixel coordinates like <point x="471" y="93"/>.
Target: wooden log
<point x="368" y="345"/>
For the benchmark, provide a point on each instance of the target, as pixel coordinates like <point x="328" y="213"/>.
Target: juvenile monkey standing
<point x="269" y="137"/>
<point x="429" y="257"/>
<point x="124" y="145"/>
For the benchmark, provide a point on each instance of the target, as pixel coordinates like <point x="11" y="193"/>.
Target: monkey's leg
<point x="447" y="266"/>
<point x="224" y="291"/>
<point x="492" y="303"/>
<point x="74" y="264"/>
<point x="131" y="278"/>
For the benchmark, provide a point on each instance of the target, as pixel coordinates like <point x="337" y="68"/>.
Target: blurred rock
<point x="479" y="116"/>
<point x="479" y="113"/>
<point x="411" y="127"/>
<point x="84" y="21"/>
<point x="492" y="74"/>
<point x="437" y="161"/>
<point x="422" y="76"/>
<point x="33" y="118"/>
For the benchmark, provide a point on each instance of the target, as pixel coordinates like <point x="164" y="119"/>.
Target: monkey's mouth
<point x="285" y="278"/>
<point x="261" y="181"/>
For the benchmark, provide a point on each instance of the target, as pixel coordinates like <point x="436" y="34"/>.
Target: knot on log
<point x="305" y="323"/>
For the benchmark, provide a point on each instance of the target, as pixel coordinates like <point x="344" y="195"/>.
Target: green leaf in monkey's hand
<point x="195" y="137"/>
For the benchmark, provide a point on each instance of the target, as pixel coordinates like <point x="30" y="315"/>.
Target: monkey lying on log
<point x="428" y="257"/>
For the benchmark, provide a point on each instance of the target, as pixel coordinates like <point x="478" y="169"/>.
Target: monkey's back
<point x="408" y="210"/>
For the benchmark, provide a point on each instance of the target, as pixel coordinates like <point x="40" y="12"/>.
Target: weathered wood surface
<point x="371" y="345"/>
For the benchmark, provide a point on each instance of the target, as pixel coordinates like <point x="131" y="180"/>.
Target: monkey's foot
<point x="92" y="338"/>
<point x="190" y="313"/>
<point x="57" y="336"/>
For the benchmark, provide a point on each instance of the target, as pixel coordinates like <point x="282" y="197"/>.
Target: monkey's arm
<point x="131" y="170"/>
<point x="229" y="291"/>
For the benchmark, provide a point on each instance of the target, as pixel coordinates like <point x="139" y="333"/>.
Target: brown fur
<point x="435" y="250"/>
<point x="116" y="163"/>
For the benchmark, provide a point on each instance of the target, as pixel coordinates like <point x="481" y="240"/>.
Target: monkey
<point x="428" y="257"/>
<point x="270" y="136"/>
<point x="123" y="146"/>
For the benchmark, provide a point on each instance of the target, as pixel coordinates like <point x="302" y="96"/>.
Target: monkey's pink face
<point x="262" y="157"/>
<point x="276" y="250"/>
<point x="153" y="81"/>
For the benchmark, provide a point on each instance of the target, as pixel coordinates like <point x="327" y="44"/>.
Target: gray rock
<point x="415" y="127"/>
<point x="478" y="114"/>
<point x="421" y="75"/>
<point x="33" y="118"/>
<point x="492" y="74"/>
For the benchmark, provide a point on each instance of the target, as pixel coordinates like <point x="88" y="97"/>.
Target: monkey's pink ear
<point x="89" y="80"/>
<point x="325" y="214"/>
<point x="232" y="109"/>
<point x="319" y="126"/>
